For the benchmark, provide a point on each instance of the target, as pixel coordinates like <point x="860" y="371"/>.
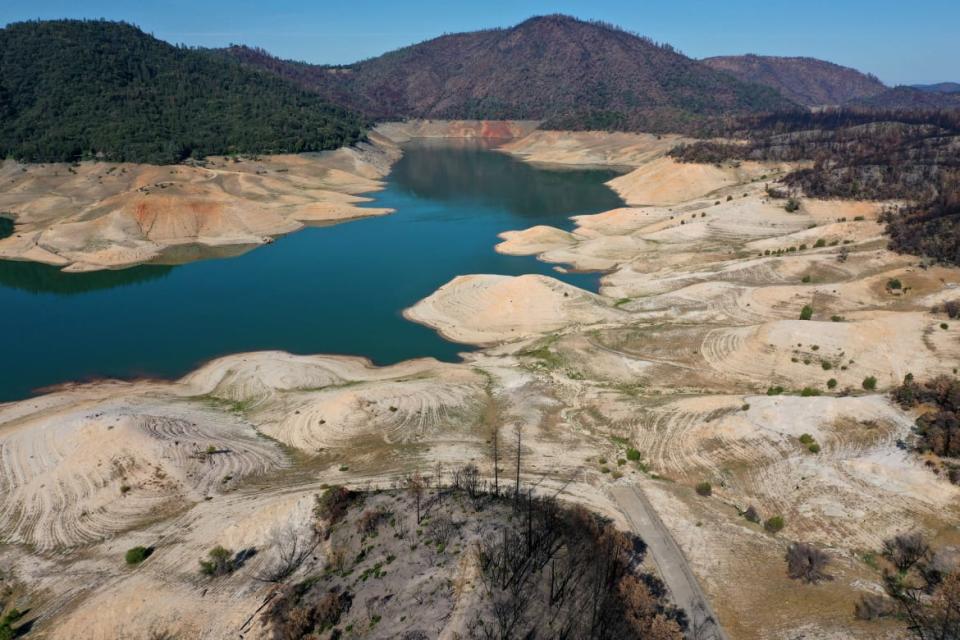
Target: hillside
<point x="72" y="89"/>
<point x="807" y="81"/>
<point x="911" y="98"/>
<point x="571" y="73"/>
<point x="939" y="87"/>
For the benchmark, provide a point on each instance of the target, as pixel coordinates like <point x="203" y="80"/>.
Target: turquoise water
<point x="336" y="289"/>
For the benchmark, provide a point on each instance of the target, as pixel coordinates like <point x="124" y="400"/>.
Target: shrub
<point x="369" y="521"/>
<point x="905" y="550"/>
<point x="333" y="504"/>
<point x="825" y="365"/>
<point x="814" y="447"/>
<point x="872" y="606"/>
<point x="806" y="392"/>
<point x="870" y="383"/>
<point x="752" y="515"/>
<point x="807" y="563"/>
<point x="944" y="326"/>
<point x="704" y="489"/>
<point x="894" y="284"/>
<point x="806" y="438"/>
<point x="220" y="562"/>
<point x="805" y="279"/>
<point x="774" y="524"/>
<point x="832" y="383"/>
<point x="806" y="313"/>
<point x="774" y="391"/>
<point x="952" y="308"/>
<point x="7" y="632"/>
<point x="819" y="243"/>
<point x="836" y="318"/>
<point x="745" y="407"/>
<point x="136" y="555"/>
<point x="792" y="205"/>
<point x="633" y="455"/>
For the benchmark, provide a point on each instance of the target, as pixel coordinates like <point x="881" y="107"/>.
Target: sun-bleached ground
<point x="698" y="315"/>
<point x="97" y="215"/>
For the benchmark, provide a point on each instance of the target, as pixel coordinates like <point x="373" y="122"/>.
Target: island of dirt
<point x="692" y="365"/>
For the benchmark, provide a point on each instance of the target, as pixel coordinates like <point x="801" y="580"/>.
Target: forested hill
<point x="571" y="73"/>
<point x="74" y="89"/>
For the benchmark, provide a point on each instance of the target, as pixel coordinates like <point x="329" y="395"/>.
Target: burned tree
<point x="807" y="563"/>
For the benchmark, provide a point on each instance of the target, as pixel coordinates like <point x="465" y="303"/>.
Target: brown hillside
<point x="807" y="81"/>
<point x="572" y="73"/>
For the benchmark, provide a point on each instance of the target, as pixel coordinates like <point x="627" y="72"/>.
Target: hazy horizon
<point x="899" y="44"/>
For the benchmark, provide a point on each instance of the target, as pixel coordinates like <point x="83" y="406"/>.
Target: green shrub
<point x="814" y="447"/>
<point x="774" y="524"/>
<point x="819" y="243"/>
<point x="806" y="392"/>
<point x="704" y="489"/>
<point x="774" y="391"/>
<point x="220" y="562"/>
<point x="7" y="632"/>
<point x="806" y="313"/>
<point x="944" y="326"/>
<point x="792" y="205"/>
<point x="751" y="515"/>
<point x="836" y="318"/>
<point x="870" y="383"/>
<point x="136" y="555"/>
<point x="745" y="407"/>
<point x="806" y="438"/>
<point x="805" y="279"/>
<point x="825" y="365"/>
<point x="894" y="284"/>
<point x="633" y="455"/>
<point x="832" y="383"/>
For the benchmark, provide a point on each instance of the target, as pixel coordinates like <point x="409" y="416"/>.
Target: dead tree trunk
<point x="516" y="493"/>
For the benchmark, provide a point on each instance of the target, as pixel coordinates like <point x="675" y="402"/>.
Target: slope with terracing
<point x="694" y="354"/>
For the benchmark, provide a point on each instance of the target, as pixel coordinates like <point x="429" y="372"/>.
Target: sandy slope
<point x="101" y="215"/>
<point x="697" y="317"/>
<point x="485" y="309"/>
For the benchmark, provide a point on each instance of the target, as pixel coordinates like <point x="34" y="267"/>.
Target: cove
<point x="336" y="289"/>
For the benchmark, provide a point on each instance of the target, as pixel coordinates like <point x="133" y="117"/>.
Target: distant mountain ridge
<point x="939" y="87"/>
<point x="807" y="81"/>
<point x="905" y="97"/>
<point x="568" y="72"/>
<point x="71" y="89"/>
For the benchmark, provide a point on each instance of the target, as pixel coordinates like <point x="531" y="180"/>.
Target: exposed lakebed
<point x="338" y="289"/>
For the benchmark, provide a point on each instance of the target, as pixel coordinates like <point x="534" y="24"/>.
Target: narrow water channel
<point x="336" y="289"/>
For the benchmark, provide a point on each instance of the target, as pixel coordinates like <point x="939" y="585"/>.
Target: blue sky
<point x="899" y="41"/>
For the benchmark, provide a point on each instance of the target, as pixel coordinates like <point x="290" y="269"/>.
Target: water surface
<point x="336" y="289"/>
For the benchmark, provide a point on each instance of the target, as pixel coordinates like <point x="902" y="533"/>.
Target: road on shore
<point x="670" y="562"/>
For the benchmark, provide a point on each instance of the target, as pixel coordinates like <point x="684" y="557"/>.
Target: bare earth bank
<point x="695" y="321"/>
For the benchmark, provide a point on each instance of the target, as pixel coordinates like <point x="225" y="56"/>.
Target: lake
<point x="335" y="289"/>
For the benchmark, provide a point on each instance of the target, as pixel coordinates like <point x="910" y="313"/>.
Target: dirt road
<point x="670" y="562"/>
